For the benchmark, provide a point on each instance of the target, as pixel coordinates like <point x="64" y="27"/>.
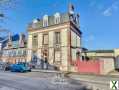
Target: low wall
<point x="102" y="66"/>
<point x="107" y="66"/>
<point x="88" y="66"/>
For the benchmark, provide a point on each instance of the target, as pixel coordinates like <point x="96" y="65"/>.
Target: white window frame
<point x="45" y="20"/>
<point x="57" y="18"/>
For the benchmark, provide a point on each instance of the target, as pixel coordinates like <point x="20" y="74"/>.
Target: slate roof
<point x="64" y="17"/>
<point x="15" y="37"/>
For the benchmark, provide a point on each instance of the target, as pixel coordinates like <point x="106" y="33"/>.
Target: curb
<point x="45" y="71"/>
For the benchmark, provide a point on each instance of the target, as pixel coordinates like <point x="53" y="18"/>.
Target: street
<point x="50" y="81"/>
<point x="35" y="81"/>
<point x="96" y="82"/>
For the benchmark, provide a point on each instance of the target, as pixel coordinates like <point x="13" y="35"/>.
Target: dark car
<point x="21" y="67"/>
<point x="7" y="66"/>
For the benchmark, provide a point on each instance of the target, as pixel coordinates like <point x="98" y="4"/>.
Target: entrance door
<point x="44" y="59"/>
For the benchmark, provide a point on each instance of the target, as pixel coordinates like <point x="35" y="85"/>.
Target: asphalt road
<point x="96" y="82"/>
<point x="34" y="81"/>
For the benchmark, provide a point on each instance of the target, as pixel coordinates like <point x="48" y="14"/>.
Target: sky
<point x="99" y="19"/>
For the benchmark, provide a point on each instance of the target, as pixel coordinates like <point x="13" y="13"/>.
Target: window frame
<point x="35" y="41"/>
<point x="57" y="18"/>
<point x="57" y="37"/>
<point x="45" y="21"/>
<point x="46" y="34"/>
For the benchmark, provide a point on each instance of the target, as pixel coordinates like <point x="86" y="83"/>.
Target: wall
<point x="51" y="45"/>
<point x="100" y="54"/>
<point x="76" y="44"/>
<point x="78" y="41"/>
<point x="51" y="49"/>
<point x="88" y="66"/>
<point x="64" y="50"/>
<point x="73" y="39"/>
<point x="102" y="66"/>
<point x="116" y="51"/>
<point x="64" y="39"/>
<point x="73" y="51"/>
<point x="29" y="46"/>
<point x="107" y="66"/>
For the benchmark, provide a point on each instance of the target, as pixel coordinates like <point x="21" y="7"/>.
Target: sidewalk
<point x="114" y="73"/>
<point x="45" y="71"/>
<point x="101" y="79"/>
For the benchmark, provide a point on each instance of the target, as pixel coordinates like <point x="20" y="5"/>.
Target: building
<point x="96" y="54"/>
<point x="56" y="38"/>
<point x="111" y="57"/>
<point x="14" y="49"/>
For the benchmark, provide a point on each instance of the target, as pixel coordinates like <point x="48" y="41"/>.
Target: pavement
<point x="48" y="80"/>
<point x="100" y="82"/>
<point x="37" y="81"/>
<point x="94" y="82"/>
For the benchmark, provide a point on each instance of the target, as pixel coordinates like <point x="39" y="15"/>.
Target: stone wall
<point x="107" y="66"/>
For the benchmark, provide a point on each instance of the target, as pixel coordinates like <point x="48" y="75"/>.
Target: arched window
<point x="57" y="18"/>
<point x="45" y="20"/>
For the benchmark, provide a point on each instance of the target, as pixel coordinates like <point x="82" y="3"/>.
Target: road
<point x="36" y="81"/>
<point x="96" y="82"/>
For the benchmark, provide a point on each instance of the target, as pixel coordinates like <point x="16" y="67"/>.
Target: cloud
<point x="98" y="5"/>
<point x="107" y="12"/>
<point x="111" y="9"/>
<point x="90" y="38"/>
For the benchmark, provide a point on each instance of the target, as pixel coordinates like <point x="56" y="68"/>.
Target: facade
<point x="101" y="53"/>
<point x="15" y="49"/>
<point x="110" y="58"/>
<point x="55" y="39"/>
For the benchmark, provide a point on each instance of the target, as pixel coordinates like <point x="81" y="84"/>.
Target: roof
<point x="15" y="37"/>
<point x="64" y="17"/>
<point x="1" y="38"/>
<point x="101" y="51"/>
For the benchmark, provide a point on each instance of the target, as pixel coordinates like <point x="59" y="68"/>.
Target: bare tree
<point x="6" y="5"/>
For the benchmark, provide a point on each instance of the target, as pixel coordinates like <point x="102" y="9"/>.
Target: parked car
<point x="21" y="67"/>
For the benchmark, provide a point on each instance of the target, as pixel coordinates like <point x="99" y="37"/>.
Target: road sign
<point x="114" y="85"/>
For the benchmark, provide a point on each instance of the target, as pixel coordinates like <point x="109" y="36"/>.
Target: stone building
<point x="56" y="38"/>
<point x="96" y="54"/>
<point x="14" y="49"/>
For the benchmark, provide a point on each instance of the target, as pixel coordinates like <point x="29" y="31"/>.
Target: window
<point x="45" y="21"/>
<point x="35" y="41"/>
<point x="57" y="18"/>
<point x="57" y="37"/>
<point x="45" y="39"/>
<point x="78" y="55"/>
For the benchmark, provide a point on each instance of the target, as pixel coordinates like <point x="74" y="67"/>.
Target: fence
<point x="91" y="66"/>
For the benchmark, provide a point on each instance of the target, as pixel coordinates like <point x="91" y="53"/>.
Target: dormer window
<point x="45" y="21"/>
<point x="57" y="18"/>
<point x="34" y="23"/>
